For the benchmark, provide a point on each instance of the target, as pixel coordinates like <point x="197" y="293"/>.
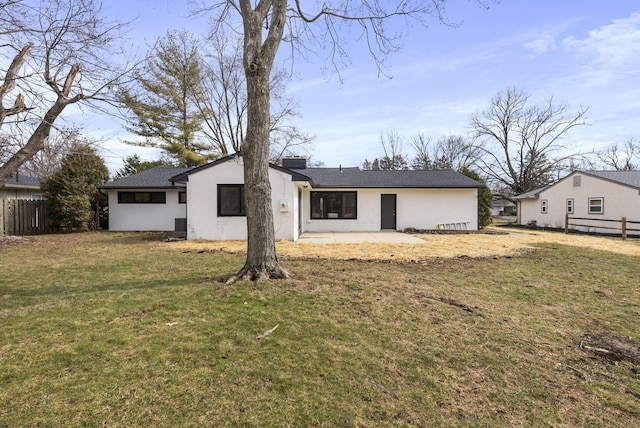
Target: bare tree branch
<point x="68" y="57"/>
<point x="521" y="143"/>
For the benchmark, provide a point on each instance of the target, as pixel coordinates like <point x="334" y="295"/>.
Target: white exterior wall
<point x="619" y="201"/>
<point x="145" y="217"/>
<point x="417" y="208"/>
<point x="202" y="218"/>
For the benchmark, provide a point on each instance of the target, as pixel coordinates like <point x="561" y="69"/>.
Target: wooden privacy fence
<point x="622" y="226"/>
<point x="22" y="217"/>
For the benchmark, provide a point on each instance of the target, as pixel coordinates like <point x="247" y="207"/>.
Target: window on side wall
<point x="142" y="197"/>
<point x="231" y="200"/>
<point x="334" y="205"/>
<point x="596" y="205"/>
<point x="544" y="206"/>
<point x="182" y="197"/>
<point x="569" y="206"/>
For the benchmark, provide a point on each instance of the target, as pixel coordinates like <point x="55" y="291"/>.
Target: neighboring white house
<point x="21" y="187"/>
<point x="316" y="200"/>
<point x="147" y="201"/>
<point x="595" y="197"/>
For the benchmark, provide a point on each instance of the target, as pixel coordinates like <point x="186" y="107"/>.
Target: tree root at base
<point x="258" y="274"/>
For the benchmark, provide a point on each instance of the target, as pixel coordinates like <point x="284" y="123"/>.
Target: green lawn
<point x="125" y="330"/>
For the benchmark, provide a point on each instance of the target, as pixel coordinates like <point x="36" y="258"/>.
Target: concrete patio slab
<point x="355" y="237"/>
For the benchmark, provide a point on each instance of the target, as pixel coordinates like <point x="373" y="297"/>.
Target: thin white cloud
<point x="615" y="44"/>
<point x="542" y="45"/>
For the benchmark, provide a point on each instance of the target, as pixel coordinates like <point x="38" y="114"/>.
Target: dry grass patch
<point x="474" y="245"/>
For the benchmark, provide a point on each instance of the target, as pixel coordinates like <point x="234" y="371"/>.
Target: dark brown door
<point x="388" y="212"/>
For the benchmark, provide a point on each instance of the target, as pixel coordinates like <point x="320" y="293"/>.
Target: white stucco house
<point x="596" y="201"/>
<point x="147" y="201"/>
<point x="305" y="200"/>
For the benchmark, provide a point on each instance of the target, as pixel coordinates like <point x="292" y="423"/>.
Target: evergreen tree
<point x="73" y="200"/>
<point x="164" y="106"/>
<point x="485" y="198"/>
<point x="133" y="165"/>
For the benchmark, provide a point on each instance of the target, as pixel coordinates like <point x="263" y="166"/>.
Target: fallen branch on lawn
<point x="267" y="333"/>
<point x="455" y="303"/>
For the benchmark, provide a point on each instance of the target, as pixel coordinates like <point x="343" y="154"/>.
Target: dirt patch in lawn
<point x="612" y="348"/>
<point x="476" y="245"/>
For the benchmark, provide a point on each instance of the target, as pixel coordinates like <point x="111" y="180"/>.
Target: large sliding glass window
<point x="334" y="205"/>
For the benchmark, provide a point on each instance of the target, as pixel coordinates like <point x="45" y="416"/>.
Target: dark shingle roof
<point x="630" y="178"/>
<point x="158" y="178"/>
<point x="20" y="180"/>
<point x="355" y="177"/>
<point x="184" y="177"/>
<point x="627" y="178"/>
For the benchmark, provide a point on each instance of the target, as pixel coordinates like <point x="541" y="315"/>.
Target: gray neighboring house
<point x="147" y="201"/>
<point x="21" y="186"/>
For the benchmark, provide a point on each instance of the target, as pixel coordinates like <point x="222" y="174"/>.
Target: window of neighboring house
<point x="231" y="200"/>
<point x="334" y="205"/>
<point x="577" y="180"/>
<point x="569" y="206"/>
<point x="182" y="197"/>
<point x="38" y="197"/>
<point x="142" y="197"/>
<point x="543" y="206"/>
<point x="596" y="205"/>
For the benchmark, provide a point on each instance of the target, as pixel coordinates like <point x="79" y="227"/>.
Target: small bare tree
<point x="451" y="152"/>
<point x="393" y="158"/>
<point x="621" y="157"/>
<point x="521" y="143"/>
<point x="63" y="53"/>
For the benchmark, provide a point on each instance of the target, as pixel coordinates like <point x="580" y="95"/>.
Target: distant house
<point x="501" y="206"/>
<point x="147" y="201"/>
<point x="593" y="195"/>
<point x="308" y="200"/>
<point x="21" y="187"/>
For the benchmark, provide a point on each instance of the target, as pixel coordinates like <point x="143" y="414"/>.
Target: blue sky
<point x="581" y="53"/>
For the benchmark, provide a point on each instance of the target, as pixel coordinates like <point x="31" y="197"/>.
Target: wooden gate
<point x="23" y="217"/>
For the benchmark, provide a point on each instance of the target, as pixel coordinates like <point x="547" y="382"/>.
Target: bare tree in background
<point x="264" y="24"/>
<point x="451" y="152"/>
<point x="393" y="159"/>
<point x="224" y="104"/>
<point x="621" y="157"/>
<point x="522" y="143"/>
<point x="43" y="164"/>
<point x="61" y="52"/>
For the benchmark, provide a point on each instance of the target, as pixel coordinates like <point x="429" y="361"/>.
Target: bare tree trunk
<point x="262" y="262"/>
